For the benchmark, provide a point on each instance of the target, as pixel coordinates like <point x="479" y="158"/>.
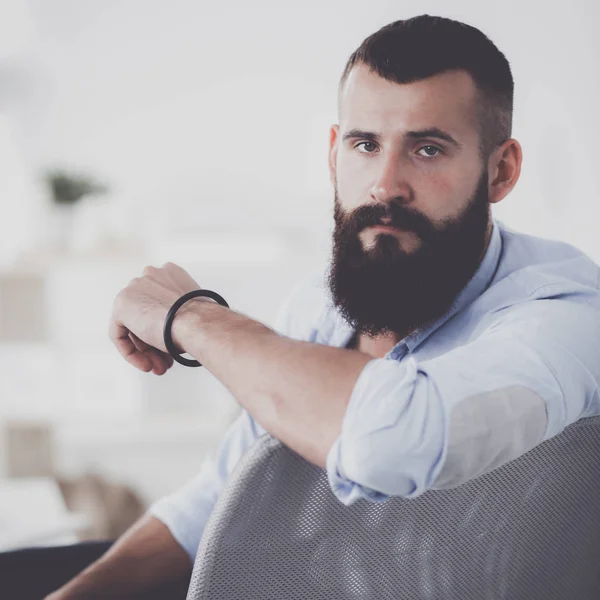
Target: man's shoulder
<point x="537" y="265"/>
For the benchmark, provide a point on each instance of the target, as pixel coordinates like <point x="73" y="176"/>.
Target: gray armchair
<point x="529" y="530"/>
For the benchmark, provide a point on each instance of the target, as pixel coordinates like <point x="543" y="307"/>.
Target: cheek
<point x="455" y="183"/>
<point x="353" y="185"/>
<point x="443" y="187"/>
<point x="443" y="195"/>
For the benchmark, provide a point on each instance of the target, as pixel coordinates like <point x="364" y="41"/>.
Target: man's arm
<point x="382" y="427"/>
<point x="296" y="390"/>
<point x="145" y="557"/>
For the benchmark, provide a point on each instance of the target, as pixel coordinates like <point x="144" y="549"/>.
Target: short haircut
<point x="425" y="45"/>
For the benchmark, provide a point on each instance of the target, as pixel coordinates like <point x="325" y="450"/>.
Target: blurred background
<point x="135" y="132"/>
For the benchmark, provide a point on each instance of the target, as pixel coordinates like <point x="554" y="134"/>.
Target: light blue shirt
<point x="513" y="362"/>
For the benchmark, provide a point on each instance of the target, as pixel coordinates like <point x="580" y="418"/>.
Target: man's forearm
<point x="298" y="391"/>
<point x="145" y="557"/>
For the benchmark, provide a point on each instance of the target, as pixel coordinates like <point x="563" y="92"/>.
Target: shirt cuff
<point x="377" y="402"/>
<point x="346" y="490"/>
<point x="180" y="527"/>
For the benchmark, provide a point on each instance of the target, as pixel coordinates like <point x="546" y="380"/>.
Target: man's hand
<point x="139" y="312"/>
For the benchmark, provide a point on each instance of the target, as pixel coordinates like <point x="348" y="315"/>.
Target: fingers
<point x="136" y="352"/>
<point x="119" y="335"/>
<point x="161" y="362"/>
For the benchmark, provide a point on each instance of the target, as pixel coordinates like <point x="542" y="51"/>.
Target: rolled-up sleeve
<point x="415" y="425"/>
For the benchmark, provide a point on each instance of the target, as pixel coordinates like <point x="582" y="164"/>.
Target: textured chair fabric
<point x="528" y="530"/>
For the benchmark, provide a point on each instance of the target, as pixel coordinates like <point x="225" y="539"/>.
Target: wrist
<point x="189" y="319"/>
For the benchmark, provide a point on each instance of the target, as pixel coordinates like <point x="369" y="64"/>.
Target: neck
<point x="377" y="347"/>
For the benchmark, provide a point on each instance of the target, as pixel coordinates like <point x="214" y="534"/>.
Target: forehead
<point x="445" y="100"/>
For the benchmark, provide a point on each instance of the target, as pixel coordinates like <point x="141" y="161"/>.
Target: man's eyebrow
<point x="433" y="132"/>
<point x="430" y="132"/>
<point x="355" y="134"/>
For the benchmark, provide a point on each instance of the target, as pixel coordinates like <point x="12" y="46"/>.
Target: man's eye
<point x="439" y="151"/>
<point x="371" y="145"/>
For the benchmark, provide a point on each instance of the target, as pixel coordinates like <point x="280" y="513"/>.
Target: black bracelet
<point x="169" y="321"/>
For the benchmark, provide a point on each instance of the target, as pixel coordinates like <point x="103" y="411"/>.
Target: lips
<point x="386" y="228"/>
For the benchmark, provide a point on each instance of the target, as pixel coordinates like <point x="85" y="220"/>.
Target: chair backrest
<point x="528" y="530"/>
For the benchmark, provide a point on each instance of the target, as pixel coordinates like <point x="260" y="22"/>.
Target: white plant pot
<point x="64" y="220"/>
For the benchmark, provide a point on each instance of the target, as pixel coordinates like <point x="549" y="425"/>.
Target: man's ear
<point x="507" y="159"/>
<point x="333" y="148"/>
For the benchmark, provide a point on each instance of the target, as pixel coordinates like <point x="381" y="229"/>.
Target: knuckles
<point x="150" y="270"/>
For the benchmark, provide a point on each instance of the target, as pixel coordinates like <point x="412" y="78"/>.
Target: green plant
<point x="67" y="188"/>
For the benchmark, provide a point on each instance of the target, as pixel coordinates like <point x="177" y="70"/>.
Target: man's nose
<point x="391" y="181"/>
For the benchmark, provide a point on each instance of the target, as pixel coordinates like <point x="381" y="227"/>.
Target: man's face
<point x="433" y="191"/>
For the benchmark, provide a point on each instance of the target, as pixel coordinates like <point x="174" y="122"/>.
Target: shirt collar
<point x="481" y="279"/>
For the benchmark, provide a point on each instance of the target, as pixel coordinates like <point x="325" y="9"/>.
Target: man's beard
<point x="386" y="290"/>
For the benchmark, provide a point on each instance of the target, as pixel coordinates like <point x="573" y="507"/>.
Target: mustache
<point x="394" y="214"/>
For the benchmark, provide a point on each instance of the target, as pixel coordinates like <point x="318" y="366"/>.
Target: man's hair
<point x="422" y="46"/>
